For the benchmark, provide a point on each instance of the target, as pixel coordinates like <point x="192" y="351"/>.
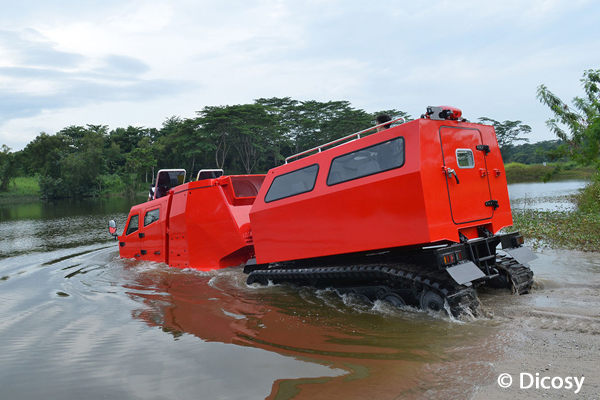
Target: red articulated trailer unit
<point x="409" y="215"/>
<point x="202" y="224"/>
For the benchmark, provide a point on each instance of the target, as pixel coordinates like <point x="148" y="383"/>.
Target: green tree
<point x="192" y="145"/>
<point x="73" y="134"/>
<point x="170" y="125"/>
<point x="535" y="153"/>
<point x="169" y="145"/>
<point x="307" y="124"/>
<point x="287" y="116"/>
<point x="74" y="165"/>
<point x="217" y="126"/>
<point x="7" y="167"/>
<point x="182" y="144"/>
<point x="82" y="166"/>
<point x="43" y="154"/>
<point x="320" y="122"/>
<point x="393" y="113"/>
<point x="141" y="159"/>
<point x="255" y="136"/>
<point x="122" y="141"/>
<point x="343" y="120"/>
<point x="128" y="138"/>
<point x="113" y="156"/>
<point x="507" y="133"/>
<point x="578" y="126"/>
<point x="247" y="129"/>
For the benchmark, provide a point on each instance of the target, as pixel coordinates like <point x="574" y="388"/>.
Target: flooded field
<point x="79" y="322"/>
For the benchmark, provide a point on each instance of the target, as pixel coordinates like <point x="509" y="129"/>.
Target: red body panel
<point x="415" y="204"/>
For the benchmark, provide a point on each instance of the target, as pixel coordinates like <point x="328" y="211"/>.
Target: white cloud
<point x="160" y="58"/>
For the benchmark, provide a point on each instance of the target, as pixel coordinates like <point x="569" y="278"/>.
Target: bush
<point x="53" y="188"/>
<point x="112" y="184"/>
<point x="522" y="172"/>
<point x="588" y="200"/>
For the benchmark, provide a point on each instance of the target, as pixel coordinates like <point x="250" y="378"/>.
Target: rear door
<point x="466" y="174"/>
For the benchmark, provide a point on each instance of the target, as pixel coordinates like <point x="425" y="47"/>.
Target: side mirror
<point x="112" y="228"/>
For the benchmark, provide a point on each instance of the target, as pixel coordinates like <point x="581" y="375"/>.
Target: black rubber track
<point x="461" y="299"/>
<point x="519" y="276"/>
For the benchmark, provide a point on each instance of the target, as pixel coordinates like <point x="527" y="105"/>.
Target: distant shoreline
<point x="518" y="173"/>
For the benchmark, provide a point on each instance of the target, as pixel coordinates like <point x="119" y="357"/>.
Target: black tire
<point x="431" y="301"/>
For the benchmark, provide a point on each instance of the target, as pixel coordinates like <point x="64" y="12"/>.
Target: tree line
<point x="80" y="161"/>
<point x="533" y="153"/>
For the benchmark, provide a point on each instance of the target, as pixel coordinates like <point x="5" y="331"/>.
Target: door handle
<point x="451" y="172"/>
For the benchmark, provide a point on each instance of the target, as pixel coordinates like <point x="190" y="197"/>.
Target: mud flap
<point x="521" y="254"/>
<point x="465" y="272"/>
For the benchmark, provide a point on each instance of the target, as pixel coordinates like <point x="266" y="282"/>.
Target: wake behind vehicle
<point x="408" y="215"/>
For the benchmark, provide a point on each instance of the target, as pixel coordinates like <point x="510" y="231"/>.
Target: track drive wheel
<point x="431" y="301"/>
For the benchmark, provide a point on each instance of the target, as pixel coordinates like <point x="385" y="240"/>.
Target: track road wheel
<point x="393" y="299"/>
<point x="359" y="296"/>
<point x="431" y="301"/>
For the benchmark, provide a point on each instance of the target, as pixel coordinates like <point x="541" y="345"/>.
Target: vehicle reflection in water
<point x="369" y="349"/>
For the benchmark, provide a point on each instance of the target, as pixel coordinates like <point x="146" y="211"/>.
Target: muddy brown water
<point x="76" y="321"/>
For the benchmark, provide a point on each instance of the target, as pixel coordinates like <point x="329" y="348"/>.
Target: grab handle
<point x="451" y="172"/>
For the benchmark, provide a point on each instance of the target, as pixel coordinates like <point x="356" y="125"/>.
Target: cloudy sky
<point x="137" y="62"/>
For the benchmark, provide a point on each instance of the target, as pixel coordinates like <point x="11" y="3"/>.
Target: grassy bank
<point x="517" y="172"/>
<point x="28" y="189"/>
<point x="559" y="229"/>
<point x="21" y="189"/>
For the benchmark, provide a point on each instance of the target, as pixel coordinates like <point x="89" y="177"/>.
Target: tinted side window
<point x="293" y="183"/>
<point x="368" y="161"/>
<point x="133" y="225"/>
<point x="151" y="216"/>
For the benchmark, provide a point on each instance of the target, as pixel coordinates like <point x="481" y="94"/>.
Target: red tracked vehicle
<point x="409" y="215"/>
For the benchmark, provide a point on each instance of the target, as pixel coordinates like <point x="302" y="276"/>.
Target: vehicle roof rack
<point x="357" y="134"/>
